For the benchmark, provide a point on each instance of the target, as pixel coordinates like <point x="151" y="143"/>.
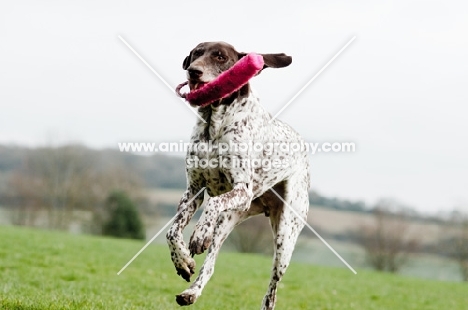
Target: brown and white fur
<point x="237" y="192"/>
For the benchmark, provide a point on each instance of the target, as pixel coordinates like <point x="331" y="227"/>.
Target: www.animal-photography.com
<point x="247" y="155"/>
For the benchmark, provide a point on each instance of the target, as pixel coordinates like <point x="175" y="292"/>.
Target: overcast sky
<point x="399" y="91"/>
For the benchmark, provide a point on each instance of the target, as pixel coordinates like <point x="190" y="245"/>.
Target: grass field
<point x="52" y="270"/>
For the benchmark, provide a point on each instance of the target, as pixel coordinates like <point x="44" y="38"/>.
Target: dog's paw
<point x="187" y="297"/>
<point x="186" y="269"/>
<point x="201" y="238"/>
<point x="198" y="245"/>
<point x="184" y="264"/>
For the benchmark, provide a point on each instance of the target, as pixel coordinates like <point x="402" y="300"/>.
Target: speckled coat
<point x="242" y="184"/>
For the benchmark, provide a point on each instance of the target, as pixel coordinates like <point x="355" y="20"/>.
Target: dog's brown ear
<point x="240" y="55"/>
<point x="186" y="62"/>
<point x="280" y="60"/>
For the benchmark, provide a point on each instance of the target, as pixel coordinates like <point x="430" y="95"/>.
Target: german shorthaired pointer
<point x="238" y="187"/>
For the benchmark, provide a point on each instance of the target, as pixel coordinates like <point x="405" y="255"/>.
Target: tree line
<point x="62" y="185"/>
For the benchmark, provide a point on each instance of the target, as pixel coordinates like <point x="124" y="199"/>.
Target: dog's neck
<point x="214" y="114"/>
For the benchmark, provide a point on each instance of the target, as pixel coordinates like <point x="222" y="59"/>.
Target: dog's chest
<point x="215" y="144"/>
<point x="224" y="155"/>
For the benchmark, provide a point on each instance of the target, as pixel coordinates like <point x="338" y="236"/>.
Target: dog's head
<point x="207" y="60"/>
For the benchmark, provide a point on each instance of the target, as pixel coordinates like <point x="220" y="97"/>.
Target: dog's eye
<point x="219" y="56"/>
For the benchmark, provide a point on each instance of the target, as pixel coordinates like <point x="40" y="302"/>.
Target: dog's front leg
<point x="225" y="223"/>
<point x="180" y="255"/>
<point x="238" y="199"/>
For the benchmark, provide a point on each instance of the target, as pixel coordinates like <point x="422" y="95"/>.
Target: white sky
<point x="399" y="90"/>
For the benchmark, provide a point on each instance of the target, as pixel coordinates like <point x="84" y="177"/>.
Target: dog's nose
<point x="194" y="73"/>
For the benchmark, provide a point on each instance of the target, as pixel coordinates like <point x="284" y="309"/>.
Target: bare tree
<point x="96" y="186"/>
<point x="23" y="193"/>
<point x="462" y="249"/>
<point x="455" y="243"/>
<point x="60" y="170"/>
<point x="63" y="180"/>
<point x="386" y="241"/>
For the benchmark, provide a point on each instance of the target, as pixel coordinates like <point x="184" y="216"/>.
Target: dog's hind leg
<point x="286" y="228"/>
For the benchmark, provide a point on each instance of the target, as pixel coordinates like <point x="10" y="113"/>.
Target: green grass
<point x="53" y="270"/>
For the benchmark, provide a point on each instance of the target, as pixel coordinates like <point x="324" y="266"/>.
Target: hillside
<point x="155" y="171"/>
<point x="51" y="270"/>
